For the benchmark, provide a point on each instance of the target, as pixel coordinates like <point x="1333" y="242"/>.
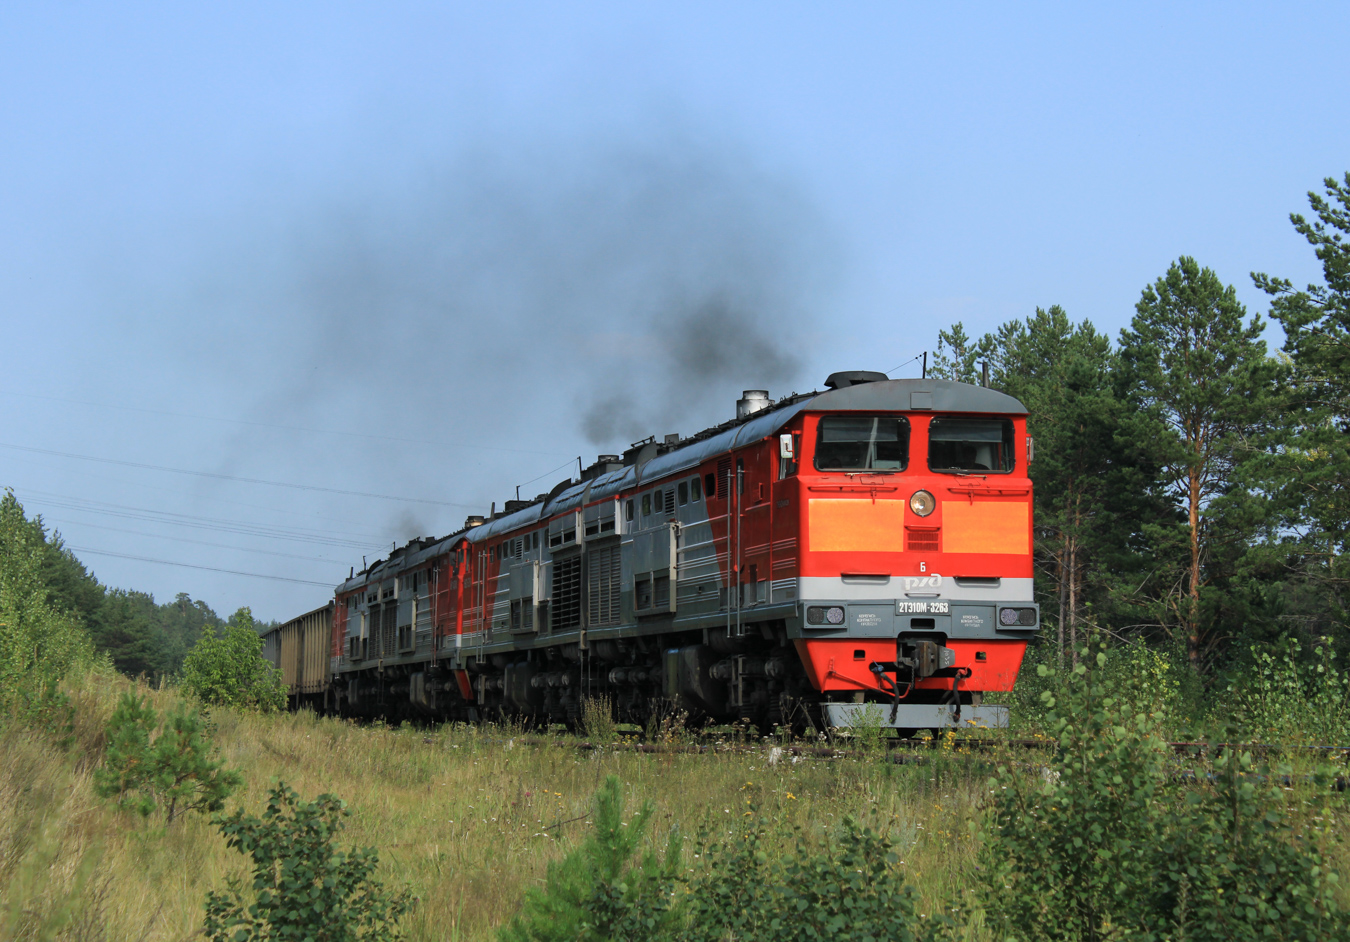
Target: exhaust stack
<point x="752" y="401"/>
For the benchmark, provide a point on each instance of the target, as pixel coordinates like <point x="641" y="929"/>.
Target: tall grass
<point x="467" y="816"/>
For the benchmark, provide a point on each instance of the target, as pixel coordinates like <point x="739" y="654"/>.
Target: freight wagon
<point x="299" y="650"/>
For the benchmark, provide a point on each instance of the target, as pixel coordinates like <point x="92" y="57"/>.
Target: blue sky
<point x="435" y="251"/>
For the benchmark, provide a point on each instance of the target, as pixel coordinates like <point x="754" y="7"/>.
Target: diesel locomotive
<point x="866" y="549"/>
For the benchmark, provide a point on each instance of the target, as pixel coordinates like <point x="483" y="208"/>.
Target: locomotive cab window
<point x="862" y="443"/>
<point x="970" y="445"/>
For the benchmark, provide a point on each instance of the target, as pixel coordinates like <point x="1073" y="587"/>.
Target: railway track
<point x="920" y="751"/>
<point x="845" y="747"/>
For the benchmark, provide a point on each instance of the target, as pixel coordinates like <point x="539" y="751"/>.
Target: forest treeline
<point x="1192" y="486"/>
<point x="139" y="635"/>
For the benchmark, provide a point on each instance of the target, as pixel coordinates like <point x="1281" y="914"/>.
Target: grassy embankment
<point x="469" y="817"/>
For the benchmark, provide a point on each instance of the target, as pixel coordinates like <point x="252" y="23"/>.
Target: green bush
<point x="1154" y="679"/>
<point x="1103" y="843"/>
<point x="229" y="669"/>
<point x="851" y="890"/>
<point x="1235" y="865"/>
<point x="1066" y="851"/>
<point x="1282" y="696"/>
<point x="40" y="643"/>
<point x="174" y="770"/>
<point x="598" y="893"/>
<point x="303" y="887"/>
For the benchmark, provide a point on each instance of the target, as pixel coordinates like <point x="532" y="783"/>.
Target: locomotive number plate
<point x="922" y="608"/>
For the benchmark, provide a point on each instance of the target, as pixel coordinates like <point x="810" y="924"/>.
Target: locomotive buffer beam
<point x="914" y="660"/>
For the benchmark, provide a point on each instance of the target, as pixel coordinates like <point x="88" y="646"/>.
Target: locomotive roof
<point x="898" y="394"/>
<point x="895" y="395"/>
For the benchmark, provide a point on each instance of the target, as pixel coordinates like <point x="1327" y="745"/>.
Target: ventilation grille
<point x="603" y="589"/>
<point x="922" y="541"/>
<point x="387" y="640"/>
<point x="566" y="593"/>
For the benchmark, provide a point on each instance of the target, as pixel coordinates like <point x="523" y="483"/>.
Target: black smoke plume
<point x="631" y="286"/>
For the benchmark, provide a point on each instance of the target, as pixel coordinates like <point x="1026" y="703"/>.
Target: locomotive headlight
<point x="922" y="503"/>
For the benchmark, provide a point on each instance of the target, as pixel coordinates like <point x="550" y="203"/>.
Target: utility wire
<point x="232" y="477"/>
<point x="160" y="490"/>
<point x="293" y="534"/>
<point x="284" y="428"/>
<point x="183" y="539"/>
<point x="166" y="562"/>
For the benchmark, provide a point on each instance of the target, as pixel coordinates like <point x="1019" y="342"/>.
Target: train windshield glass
<point x="970" y="445"/>
<point x="862" y="443"/>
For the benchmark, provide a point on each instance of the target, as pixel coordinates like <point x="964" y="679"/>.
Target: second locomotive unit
<point x="865" y="548"/>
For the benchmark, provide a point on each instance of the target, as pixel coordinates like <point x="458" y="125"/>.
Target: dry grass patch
<point x="468" y="817"/>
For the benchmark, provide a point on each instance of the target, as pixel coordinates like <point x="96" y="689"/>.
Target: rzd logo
<point x="923" y="582"/>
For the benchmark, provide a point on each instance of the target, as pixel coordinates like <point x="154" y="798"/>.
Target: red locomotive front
<point x="914" y="513"/>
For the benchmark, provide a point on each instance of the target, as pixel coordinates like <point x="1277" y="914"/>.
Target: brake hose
<point x="956" y="692"/>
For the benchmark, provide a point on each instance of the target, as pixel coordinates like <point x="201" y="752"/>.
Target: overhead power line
<point x="167" y="562"/>
<point x="183" y="539"/>
<point x="272" y="425"/>
<point x="288" y="533"/>
<point x="232" y="477"/>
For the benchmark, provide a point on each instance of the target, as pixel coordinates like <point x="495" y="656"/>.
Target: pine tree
<point x="124" y="774"/>
<point x="1198" y="369"/>
<point x="957" y="356"/>
<point x="175" y="770"/>
<point x="1314" y="469"/>
<point x="1063" y="373"/>
<point x="600" y="892"/>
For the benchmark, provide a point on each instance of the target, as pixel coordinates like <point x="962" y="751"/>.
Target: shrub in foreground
<point x="40" y="643"/>
<point x="171" y="766"/>
<point x="1283" y="696"/>
<point x="1104" y="845"/>
<point x="598" y="892"/>
<point x="850" y="889"/>
<point x="1237" y="866"/>
<point x="303" y="887"/>
<point x="229" y="669"/>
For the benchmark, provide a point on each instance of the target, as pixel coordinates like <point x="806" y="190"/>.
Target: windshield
<point x="970" y="445"/>
<point x="862" y="443"/>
